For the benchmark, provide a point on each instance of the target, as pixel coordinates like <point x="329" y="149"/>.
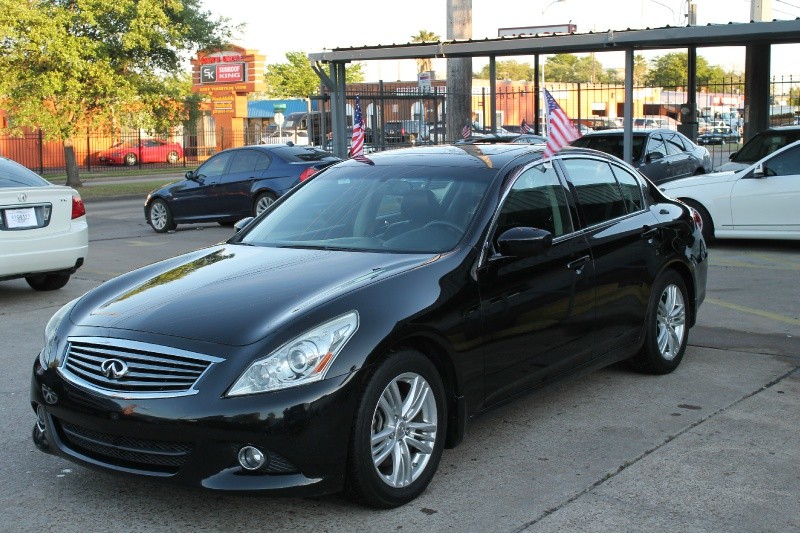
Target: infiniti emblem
<point x="22" y="197"/>
<point x="114" y="368"/>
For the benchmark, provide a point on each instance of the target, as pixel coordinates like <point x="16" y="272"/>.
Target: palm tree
<point x="424" y="36"/>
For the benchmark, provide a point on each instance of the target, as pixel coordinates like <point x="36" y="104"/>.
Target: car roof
<point x="452" y="155"/>
<point x="620" y="131"/>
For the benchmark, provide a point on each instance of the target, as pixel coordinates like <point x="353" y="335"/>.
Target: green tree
<point x="70" y="65"/>
<point x="671" y="70"/>
<point x="424" y="64"/>
<point x="296" y="79"/>
<point x="507" y="70"/>
<point x="640" y="69"/>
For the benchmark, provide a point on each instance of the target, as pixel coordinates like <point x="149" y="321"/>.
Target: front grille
<point x="142" y="370"/>
<point x="130" y="452"/>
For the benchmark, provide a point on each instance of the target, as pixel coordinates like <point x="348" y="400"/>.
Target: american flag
<point x="466" y="131"/>
<point x="560" y="131"/>
<point x="524" y="127"/>
<point x="357" y="144"/>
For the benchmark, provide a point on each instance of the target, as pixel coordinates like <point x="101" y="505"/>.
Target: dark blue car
<point x="234" y="184"/>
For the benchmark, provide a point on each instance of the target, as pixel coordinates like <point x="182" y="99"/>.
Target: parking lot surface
<point x="712" y="447"/>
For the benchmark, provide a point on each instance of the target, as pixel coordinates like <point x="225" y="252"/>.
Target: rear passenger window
<point x="598" y="193"/>
<point x="631" y="190"/>
<point x="244" y="161"/>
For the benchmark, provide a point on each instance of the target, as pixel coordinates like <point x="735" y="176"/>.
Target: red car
<point x="144" y="151"/>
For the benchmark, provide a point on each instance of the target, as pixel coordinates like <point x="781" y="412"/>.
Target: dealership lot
<point x="711" y="447"/>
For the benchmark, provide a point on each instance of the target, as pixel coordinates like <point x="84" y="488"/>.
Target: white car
<point x="44" y="236"/>
<point x="759" y="201"/>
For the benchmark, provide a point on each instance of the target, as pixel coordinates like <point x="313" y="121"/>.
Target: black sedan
<point x="345" y="336"/>
<point x="660" y="154"/>
<point x="233" y="184"/>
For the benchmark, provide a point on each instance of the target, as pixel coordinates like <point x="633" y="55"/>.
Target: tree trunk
<point x="73" y="180"/>
<point x="458" y="102"/>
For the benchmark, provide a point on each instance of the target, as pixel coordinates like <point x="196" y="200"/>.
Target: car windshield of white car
<point x="399" y="209"/>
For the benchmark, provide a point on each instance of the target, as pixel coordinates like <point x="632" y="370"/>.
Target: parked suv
<point x="405" y="131"/>
<point x="660" y="154"/>
<point x="762" y="144"/>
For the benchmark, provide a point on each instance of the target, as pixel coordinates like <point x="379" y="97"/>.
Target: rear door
<point x="234" y="191"/>
<point x="619" y="230"/>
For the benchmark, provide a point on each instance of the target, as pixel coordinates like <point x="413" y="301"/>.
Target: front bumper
<point x="194" y="440"/>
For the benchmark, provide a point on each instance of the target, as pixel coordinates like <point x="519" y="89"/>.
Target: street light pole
<point x="543" y="106"/>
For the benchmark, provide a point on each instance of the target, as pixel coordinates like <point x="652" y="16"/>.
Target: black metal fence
<point x="401" y="116"/>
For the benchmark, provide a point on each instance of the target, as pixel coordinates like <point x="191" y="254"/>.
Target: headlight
<point x="302" y="360"/>
<point x="47" y="354"/>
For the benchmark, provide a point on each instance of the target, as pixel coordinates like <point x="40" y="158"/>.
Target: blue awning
<point x="265" y="108"/>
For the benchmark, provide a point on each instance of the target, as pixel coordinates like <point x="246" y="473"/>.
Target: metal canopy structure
<point x="756" y="37"/>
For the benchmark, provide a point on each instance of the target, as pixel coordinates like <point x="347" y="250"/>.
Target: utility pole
<point x="458" y="102"/>
<point x="760" y="10"/>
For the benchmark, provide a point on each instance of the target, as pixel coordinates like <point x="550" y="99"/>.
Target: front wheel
<point x="160" y="216"/>
<point x="47" y="282"/>
<point x="172" y="157"/>
<point x="666" y="327"/>
<point x="130" y="159"/>
<point x="399" y="432"/>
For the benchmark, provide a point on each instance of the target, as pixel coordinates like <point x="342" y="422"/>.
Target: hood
<point x="696" y="181"/>
<point x="732" y="166"/>
<point x="232" y="294"/>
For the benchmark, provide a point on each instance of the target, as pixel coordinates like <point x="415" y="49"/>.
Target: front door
<point x="538" y="310"/>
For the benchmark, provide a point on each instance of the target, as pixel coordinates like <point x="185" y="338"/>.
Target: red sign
<point x="221" y="59"/>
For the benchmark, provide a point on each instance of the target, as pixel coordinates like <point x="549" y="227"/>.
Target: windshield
<point x="410" y="209"/>
<point x="764" y="144"/>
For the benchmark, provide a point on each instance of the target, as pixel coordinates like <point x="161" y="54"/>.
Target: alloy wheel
<point x="670" y="322"/>
<point x="404" y="430"/>
<point x="158" y="216"/>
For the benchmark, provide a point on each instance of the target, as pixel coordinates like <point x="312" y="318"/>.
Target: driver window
<point x="536" y="200"/>
<point x="214" y="166"/>
<point x="784" y="164"/>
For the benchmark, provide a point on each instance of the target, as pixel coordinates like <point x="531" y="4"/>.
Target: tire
<point x="226" y="223"/>
<point x="130" y="159"/>
<point x="666" y="327"/>
<point x="708" y="223"/>
<point x="159" y="216"/>
<point x="172" y="157"/>
<point x="263" y="201"/>
<point x="47" y="282"/>
<point x="392" y="460"/>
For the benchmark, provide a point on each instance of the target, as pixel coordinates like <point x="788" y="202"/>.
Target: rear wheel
<point x="130" y="159"/>
<point x="667" y="329"/>
<point x="160" y="216"/>
<point x="47" y="282"/>
<point x="172" y="157"/>
<point x="263" y="201"/>
<point x="399" y="432"/>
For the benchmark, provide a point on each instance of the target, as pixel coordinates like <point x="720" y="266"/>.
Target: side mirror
<point x="760" y="171"/>
<point x="189" y="175"/>
<point x="524" y="242"/>
<point x="240" y="225"/>
<point x="654" y="156"/>
<point x="732" y="156"/>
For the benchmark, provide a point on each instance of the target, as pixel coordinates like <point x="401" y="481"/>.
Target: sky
<point x="315" y="25"/>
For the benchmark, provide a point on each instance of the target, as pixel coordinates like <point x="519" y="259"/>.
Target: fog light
<point x="251" y="458"/>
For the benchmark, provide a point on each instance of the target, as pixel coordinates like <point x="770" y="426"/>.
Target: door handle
<point x="649" y="233"/>
<point x="577" y="264"/>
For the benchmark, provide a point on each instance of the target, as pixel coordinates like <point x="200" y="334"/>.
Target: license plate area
<point x="24" y="217"/>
